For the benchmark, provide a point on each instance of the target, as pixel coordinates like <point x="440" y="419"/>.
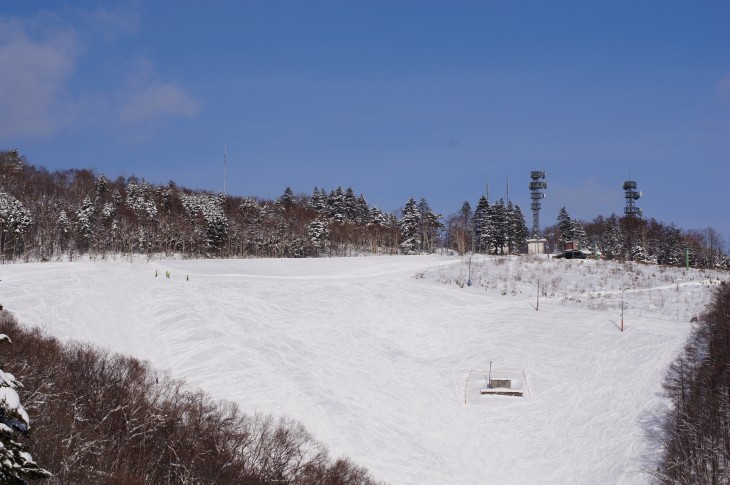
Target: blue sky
<point x="396" y="98"/>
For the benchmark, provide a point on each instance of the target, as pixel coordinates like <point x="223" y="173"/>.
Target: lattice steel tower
<point x="632" y="195"/>
<point x="536" y="187"/>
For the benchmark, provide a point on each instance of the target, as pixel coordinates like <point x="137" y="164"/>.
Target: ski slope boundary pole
<point x="467" y="384"/>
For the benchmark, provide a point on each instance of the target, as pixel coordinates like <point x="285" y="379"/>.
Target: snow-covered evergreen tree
<point x="16" y="464"/>
<point x="377" y="218"/>
<point x="638" y="253"/>
<point x="102" y="185"/>
<point x="336" y="205"/>
<point x="11" y="170"/>
<point x="410" y="226"/>
<point x="209" y="207"/>
<point x="63" y="227"/>
<point x="465" y="213"/>
<point x="429" y="223"/>
<point x="363" y="211"/>
<point x="565" y="227"/>
<point x="318" y="235"/>
<point x="579" y="234"/>
<point x="480" y="225"/>
<point x="668" y="245"/>
<point x="318" y="201"/>
<point x="498" y="227"/>
<point x="14" y="220"/>
<point x="141" y="200"/>
<point x="350" y="204"/>
<point x="517" y="231"/>
<point x="571" y="230"/>
<point x="85" y="224"/>
<point x="287" y="198"/>
<point x="117" y="198"/>
<point x="611" y="245"/>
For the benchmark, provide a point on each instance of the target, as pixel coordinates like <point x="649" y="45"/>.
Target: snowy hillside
<point x="383" y="358"/>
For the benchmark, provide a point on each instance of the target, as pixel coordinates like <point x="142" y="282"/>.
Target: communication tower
<point x="632" y="195"/>
<point x="537" y="185"/>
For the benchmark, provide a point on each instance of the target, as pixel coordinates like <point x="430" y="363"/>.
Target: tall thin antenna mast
<point x="487" y="194"/>
<point x="508" y="190"/>
<point x="225" y="168"/>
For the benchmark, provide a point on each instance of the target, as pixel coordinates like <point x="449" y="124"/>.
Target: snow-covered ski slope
<point x="372" y="354"/>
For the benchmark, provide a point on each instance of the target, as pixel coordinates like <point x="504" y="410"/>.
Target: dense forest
<point x="63" y="214"/>
<point x="98" y="417"/>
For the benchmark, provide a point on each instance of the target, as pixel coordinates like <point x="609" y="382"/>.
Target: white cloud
<point x="33" y="96"/>
<point x="148" y="98"/>
<point x="159" y="99"/>
<point x="41" y="61"/>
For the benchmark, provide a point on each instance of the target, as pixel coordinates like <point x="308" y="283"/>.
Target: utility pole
<point x="622" y="308"/>
<point x="468" y="280"/>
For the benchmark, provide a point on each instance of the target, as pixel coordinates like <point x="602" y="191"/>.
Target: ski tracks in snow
<point x="365" y="355"/>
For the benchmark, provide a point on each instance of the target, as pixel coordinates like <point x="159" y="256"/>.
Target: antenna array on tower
<point x="632" y="195"/>
<point x="537" y="185"/>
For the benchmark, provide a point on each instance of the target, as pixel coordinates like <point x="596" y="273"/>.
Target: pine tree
<point x="63" y="226"/>
<point x="318" y="234"/>
<point x="465" y="212"/>
<point x="16" y="464"/>
<point x="14" y="220"/>
<point x="429" y="225"/>
<point x="410" y="226"/>
<point x="579" y="234"/>
<point x="210" y="209"/>
<point x="102" y="186"/>
<point x="377" y="218"/>
<point x="571" y="230"/>
<point x="350" y="205"/>
<point x="336" y="205"/>
<point x="363" y="211"/>
<point x="498" y="226"/>
<point x="287" y="198"/>
<point x="85" y="224"/>
<point x="318" y="201"/>
<point x="611" y="245"/>
<point x="518" y="231"/>
<point x="565" y="227"/>
<point x="480" y="225"/>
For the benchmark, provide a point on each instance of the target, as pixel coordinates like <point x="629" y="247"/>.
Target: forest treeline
<point x="63" y="214"/>
<point x="98" y="417"/>
<point x="695" y="433"/>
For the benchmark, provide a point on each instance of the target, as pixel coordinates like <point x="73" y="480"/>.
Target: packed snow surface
<point x="383" y="358"/>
